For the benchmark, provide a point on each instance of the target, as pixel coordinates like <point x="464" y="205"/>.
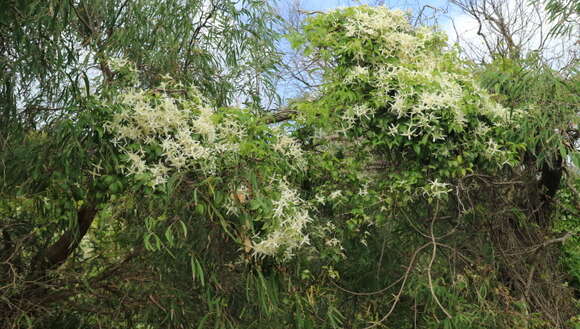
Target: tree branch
<point x="56" y="255"/>
<point x="283" y="114"/>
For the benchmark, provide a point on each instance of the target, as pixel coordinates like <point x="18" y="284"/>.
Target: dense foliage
<point x="412" y="190"/>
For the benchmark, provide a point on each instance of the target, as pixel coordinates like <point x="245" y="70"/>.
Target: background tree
<point x="520" y="29"/>
<point x="54" y="64"/>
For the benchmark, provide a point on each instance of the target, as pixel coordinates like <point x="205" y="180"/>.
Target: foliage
<point x="399" y="196"/>
<point x="548" y="96"/>
<point x="564" y="13"/>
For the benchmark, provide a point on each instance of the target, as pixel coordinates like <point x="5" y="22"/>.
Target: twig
<point x="381" y="258"/>
<point x="370" y="293"/>
<point x="544" y="244"/>
<point x="310" y="12"/>
<point x="529" y="281"/>
<point x="400" y="292"/>
<point x="433" y="254"/>
<point x="157" y="303"/>
<point x="415" y="313"/>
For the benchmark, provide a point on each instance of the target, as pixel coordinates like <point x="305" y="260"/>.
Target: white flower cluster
<point x="377" y="24"/>
<point x="436" y="189"/>
<point x="183" y="130"/>
<point x="290" y="219"/>
<point x="330" y="232"/>
<point x="493" y="151"/>
<point x="423" y="110"/>
<point x="422" y="85"/>
<point x="289" y="147"/>
<point x="357" y="73"/>
<point x="352" y="114"/>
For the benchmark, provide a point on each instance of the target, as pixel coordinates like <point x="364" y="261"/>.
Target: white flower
<point x="96" y="171"/>
<point x="204" y="125"/>
<point x="436" y="189"/>
<point x="393" y="130"/>
<point x="231" y="128"/>
<point x="332" y="242"/>
<point x="364" y="190"/>
<point x="436" y="135"/>
<point x="482" y="129"/>
<point x="492" y="148"/>
<point x="159" y="172"/>
<point x="358" y="72"/>
<point x="399" y="107"/>
<point x="335" y="194"/>
<point x="410" y="132"/>
<point x="137" y="164"/>
<point x="289" y="147"/>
